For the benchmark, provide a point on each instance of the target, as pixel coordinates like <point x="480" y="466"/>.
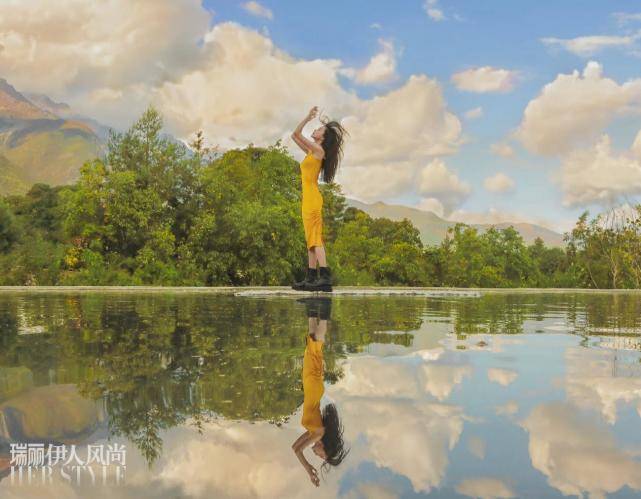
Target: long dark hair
<point x="332" y="438"/>
<point x="333" y="146"/>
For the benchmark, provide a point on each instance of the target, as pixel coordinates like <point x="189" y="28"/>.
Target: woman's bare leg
<point x="321" y="329"/>
<point x="312" y="324"/>
<point x="320" y="255"/>
<point x="311" y="257"/>
<point x="317" y="328"/>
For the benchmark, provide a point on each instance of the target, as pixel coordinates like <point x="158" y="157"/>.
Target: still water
<point x="499" y="395"/>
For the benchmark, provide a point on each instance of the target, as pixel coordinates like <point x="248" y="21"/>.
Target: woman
<point x="324" y="430"/>
<point x="324" y="153"/>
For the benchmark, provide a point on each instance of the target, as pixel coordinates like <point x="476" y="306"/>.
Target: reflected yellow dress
<point x="312" y="207"/>
<point x="313" y="387"/>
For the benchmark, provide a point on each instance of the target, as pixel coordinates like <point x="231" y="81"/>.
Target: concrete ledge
<point x="459" y="293"/>
<point x="287" y="291"/>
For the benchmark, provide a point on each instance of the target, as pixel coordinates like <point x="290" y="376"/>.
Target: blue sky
<point x="490" y="33"/>
<point x="481" y="111"/>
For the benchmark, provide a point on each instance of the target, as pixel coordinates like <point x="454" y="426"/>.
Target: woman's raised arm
<point x="297" y="135"/>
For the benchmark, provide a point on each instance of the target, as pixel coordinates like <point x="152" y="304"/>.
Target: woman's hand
<point x="313" y="475"/>
<point x="312" y="113"/>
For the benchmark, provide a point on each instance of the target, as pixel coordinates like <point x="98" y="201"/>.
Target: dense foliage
<point x="157" y="361"/>
<point x="156" y="212"/>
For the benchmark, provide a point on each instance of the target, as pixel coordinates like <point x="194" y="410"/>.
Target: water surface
<point x="493" y="396"/>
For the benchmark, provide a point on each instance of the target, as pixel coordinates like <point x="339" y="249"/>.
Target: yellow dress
<point x="312" y="207"/>
<point x="313" y="387"/>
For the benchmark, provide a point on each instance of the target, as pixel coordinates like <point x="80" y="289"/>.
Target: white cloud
<point x="369" y="184"/>
<point x="83" y="47"/>
<point x="475" y="113"/>
<point x="416" y="117"/>
<point x="502" y="149"/>
<point x="636" y="145"/>
<point x="498" y="183"/>
<point x="438" y="181"/>
<point x="503" y="377"/>
<point x="376" y="26"/>
<point x="624" y="18"/>
<point x="258" y="10"/>
<point x="485" y="79"/>
<point x="574" y="108"/>
<point x="492" y="216"/>
<point x="578" y="455"/>
<point x="433" y="10"/>
<point x="431" y="204"/>
<point x="484" y="488"/>
<point x="586" y="46"/>
<point x="496" y="216"/>
<point x="599" y="175"/>
<point x="223" y="100"/>
<point x="380" y="69"/>
<point x="203" y="77"/>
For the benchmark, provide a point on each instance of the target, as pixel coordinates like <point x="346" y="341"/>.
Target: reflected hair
<point x="333" y="146"/>
<point x="332" y="438"/>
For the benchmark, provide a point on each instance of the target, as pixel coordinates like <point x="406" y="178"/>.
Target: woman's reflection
<point x="320" y="417"/>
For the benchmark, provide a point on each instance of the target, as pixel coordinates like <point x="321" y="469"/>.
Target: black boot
<point x="323" y="283"/>
<point x="310" y="278"/>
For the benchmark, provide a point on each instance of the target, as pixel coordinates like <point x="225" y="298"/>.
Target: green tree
<point x="8" y="227"/>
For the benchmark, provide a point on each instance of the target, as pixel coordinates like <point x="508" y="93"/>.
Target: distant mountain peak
<point x="45" y="102"/>
<point x="16" y="106"/>
<point x="10" y="90"/>
<point x="433" y="228"/>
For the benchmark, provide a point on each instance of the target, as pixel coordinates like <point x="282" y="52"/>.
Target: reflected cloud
<point x="484" y="488"/>
<point x="389" y="402"/>
<point x="409" y="437"/>
<point x="476" y="446"/>
<point x="577" y="454"/>
<point x="52" y="413"/>
<point x="503" y="377"/>
<point x="371" y="491"/>
<point x="228" y="460"/>
<point x="234" y="460"/>
<point x="409" y="376"/>
<point x="599" y="379"/>
<point x="403" y="398"/>
<point x="481" y="342"/>
<point x="440" y="379"/>
<point x="508" y="409"/>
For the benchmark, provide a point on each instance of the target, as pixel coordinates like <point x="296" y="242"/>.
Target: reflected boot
<point x="311" y="306"/>
<point x="317" y="306"/>
<point x="310" y="278"/>
<point x="324" y="281"/>
<point x="325" y="308"/>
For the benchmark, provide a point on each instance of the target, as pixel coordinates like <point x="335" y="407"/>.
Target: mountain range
<point x="46" y="141"/>
<point x="42" y="141"/>
<point x="433" y="228"/>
